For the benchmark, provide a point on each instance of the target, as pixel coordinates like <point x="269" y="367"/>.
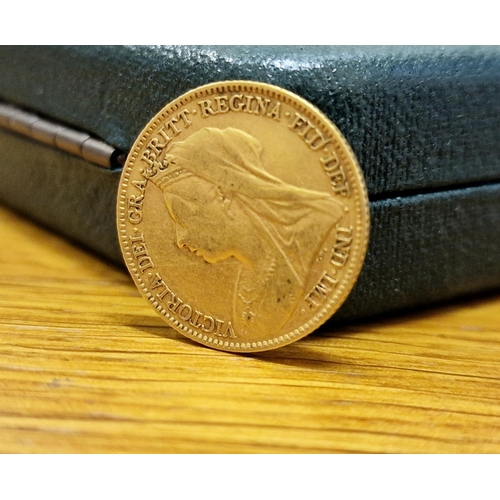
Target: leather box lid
<point x="418" y="118"/>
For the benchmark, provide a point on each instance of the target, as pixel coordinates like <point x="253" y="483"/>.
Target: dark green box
<point x="424" y="123"/>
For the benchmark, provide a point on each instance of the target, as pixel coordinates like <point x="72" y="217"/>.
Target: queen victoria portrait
<point x="224" y="204"/>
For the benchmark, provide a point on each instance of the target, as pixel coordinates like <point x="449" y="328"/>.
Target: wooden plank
<point x="86" y="366"/>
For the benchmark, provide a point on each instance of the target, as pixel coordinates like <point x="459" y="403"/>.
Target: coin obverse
<point x="243" y="216"/>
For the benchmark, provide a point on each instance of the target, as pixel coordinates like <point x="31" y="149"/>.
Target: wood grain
<point x="86" y="366"/>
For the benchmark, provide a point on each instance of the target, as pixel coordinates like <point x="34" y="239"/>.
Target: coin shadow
<point x="318" y="350"/>
<point x="315" y="352"/>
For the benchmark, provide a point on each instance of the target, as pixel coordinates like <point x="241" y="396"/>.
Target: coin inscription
<point x="242" y="216"/>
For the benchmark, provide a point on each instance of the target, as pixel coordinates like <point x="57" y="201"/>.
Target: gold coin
<point x="243" y="216"/>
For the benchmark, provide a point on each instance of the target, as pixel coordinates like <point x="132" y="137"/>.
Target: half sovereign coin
<point x="243" y="216"/>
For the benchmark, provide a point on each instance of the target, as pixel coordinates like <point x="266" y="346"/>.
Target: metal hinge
<point x="60" y="136"/>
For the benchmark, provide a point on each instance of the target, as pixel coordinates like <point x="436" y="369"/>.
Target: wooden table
<point x="87" y="366"/>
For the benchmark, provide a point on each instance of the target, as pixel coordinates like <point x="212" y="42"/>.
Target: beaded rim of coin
<point x="332" y="292"/>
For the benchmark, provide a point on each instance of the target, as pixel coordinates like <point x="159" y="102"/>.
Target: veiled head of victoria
<point x="225" y="204"/>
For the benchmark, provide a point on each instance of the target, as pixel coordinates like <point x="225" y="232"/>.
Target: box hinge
<point x="60" y="136"/>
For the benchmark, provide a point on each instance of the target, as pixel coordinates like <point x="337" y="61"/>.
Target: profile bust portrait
<point x="225" y="205"/>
